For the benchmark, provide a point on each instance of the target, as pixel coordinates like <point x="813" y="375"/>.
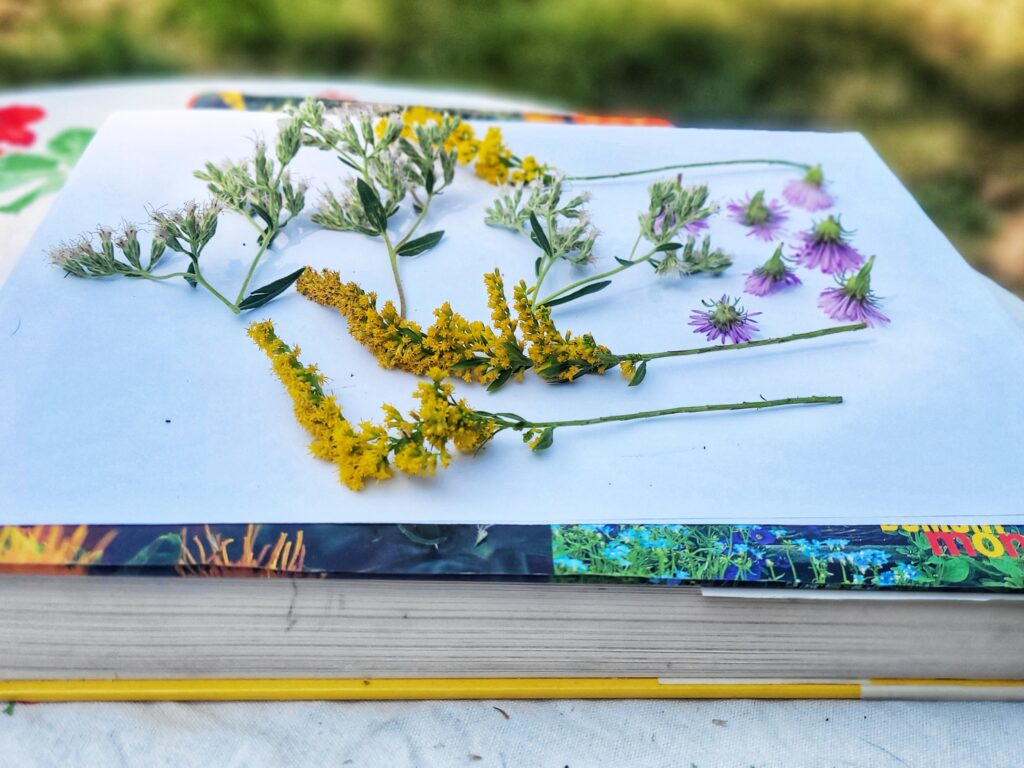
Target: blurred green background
<point x="937" y="85"/>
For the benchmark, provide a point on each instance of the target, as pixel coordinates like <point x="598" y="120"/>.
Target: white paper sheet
<point x="131" y="402"/>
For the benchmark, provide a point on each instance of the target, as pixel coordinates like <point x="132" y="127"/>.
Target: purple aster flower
<point x="724" y="319"/>
<point x="853" y="299"/>
<point x="772" y="276"/>
<point x="764" y="219"/>
<point x="826" y="247"/>
<point x="696" y="226"/>
<point x="809" y="192"/>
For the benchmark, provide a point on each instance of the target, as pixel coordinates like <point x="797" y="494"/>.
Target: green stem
<point x="549" y="221"/>
<point x="393" y="257"/>
<point x="197" y="276"/>
<point x="760" y="404"/>
<point x="637" y="357"/>
<point x="416" y="224"/>
<point x="267" y="237"/>
<point x="679" y="166"/>
<point x="593" y="278"/>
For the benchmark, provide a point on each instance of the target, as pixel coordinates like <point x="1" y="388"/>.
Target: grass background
<point x="937" y="85"/>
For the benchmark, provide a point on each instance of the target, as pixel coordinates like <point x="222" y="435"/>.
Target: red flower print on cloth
<point x="13" y="124"/>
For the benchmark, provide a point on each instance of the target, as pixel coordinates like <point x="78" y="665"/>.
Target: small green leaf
<point x="191" y="271"/>
<point x="586" y="290"/>
<point x="538" y="235"/>
<point x="547" y="437"/>
<point x="70" y="144"/>
<point x="421" y="244"/>
<point x="516" y="355"/>
<point x="955" y="569"/>
<point x="270" y="291"/>
<point x="639" y="374"/>
<point x="410" y="334"/>
<point x="669" y="247"/>
<point x="372" y="205"/>
<point x="469" y="363"/>
<point x="536" y="266"/>
<point x="499" y="382"/>
<point x="625" y="262"/>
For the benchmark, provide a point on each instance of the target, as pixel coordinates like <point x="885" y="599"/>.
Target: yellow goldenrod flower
<point x="414" y="445"/>
<point x="528" y="170"/>
<point x="417" y="445"/>
<point x="557" y="357"/>
<point x="468" y="350"/>
<point x="493" y="158"/>
<point x="212" y="556"/>
<point x="37" y="547"/>
<point x="464" y="142"/>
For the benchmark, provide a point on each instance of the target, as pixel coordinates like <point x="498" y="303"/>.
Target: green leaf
<point x="625" y="262"/>
<point x="669" y="247"/>
<point x="538" y="235"/>
<point x="584" y="291"/>
<point x="536" y="266"/>
<point x="262" y="295"/>
<point x="191" y="271"/>
<point x="421" y="244"/>
<point x="410" y="334"/>
<point x="23" y="168"/>
<point x="955" y="569"/>
<point x="547" y="437"/>
<point x="470" y="363"/>
<point x="516" y="355"/>
<point x="499" y="382"/>
<point x="639" y="374"/>
<point x="372" y="205"/>
<point x="165" y="550"/>
<point x="70" y="144"/>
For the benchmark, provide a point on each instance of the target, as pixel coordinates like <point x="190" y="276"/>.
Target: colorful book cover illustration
<point x="921" y="557"/>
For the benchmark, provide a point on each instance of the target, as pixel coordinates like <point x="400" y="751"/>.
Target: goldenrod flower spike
<point x="417" y="445"/>
<point x="468" y="350"/>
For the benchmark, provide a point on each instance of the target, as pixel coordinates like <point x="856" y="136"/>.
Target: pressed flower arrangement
<point x="418" y="443"/>
<point x="403" y="163"/>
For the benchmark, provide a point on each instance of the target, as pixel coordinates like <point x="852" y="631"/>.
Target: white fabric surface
<point x="423" y="734"/>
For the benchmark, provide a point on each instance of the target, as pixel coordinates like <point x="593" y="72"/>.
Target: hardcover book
<point x="753" y="394"/>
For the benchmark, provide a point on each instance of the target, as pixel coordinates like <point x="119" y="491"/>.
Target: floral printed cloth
<point x="41" y="135"/>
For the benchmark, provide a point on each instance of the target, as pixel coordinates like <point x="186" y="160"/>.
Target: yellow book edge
<point x="399" y="689"/>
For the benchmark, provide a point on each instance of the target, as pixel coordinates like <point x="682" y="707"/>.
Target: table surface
<point x="475" y="733"/>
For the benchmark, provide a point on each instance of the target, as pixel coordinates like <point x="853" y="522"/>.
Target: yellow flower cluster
<point x="469" y="350"/>
<point x="414" y="445"/>
<point x="49" y="545"/>
<point x="402" y="344"/>
<point x="556" y="356"/>
<point x="495" y="162"/>
<point x="212" y="558"/>
<point x="528" y="170"/>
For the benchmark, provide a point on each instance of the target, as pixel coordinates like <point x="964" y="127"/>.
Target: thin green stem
<point x="758" y="405"/>
<point x="679" y="166"/>
<point x="198" y="277"/>
<point x="594" y="278"/>
<point x="416" y="224"/>
<point x="393" y="257"/>
<point x="267" y="237"/>
<point x="637" y="357"/>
